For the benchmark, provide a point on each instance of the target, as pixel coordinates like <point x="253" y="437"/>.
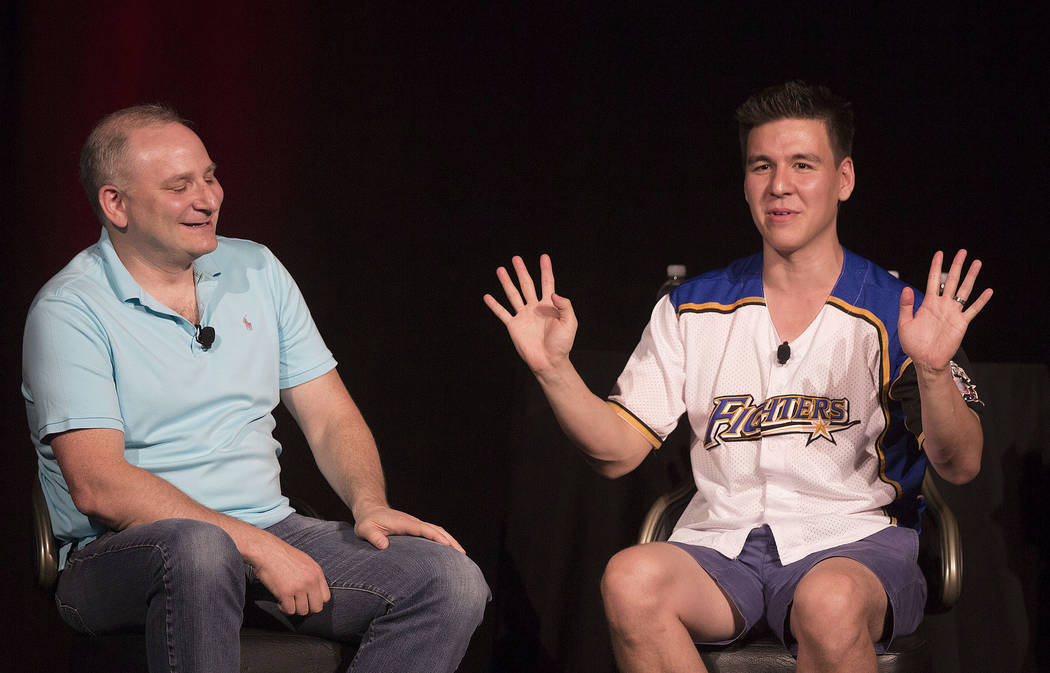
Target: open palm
<point x="933" y="334"/>
<point x="542" y="327"/>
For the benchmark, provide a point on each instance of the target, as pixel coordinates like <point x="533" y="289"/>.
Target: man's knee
<point x="839" y="603"/>
<point x="634" y="581"/>
<point x="450" y="582"/>
<point x="198" y="551"/>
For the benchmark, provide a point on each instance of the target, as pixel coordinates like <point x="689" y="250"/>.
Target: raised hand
<point x="375" y="524"/>
<point x="543" y="327"/>
<point x="932" y="335"/>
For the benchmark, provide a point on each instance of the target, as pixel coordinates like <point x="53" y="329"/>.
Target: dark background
<point x="393" y="154"/>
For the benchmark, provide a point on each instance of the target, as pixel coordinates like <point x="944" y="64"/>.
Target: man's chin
<point x="203" y="247"/>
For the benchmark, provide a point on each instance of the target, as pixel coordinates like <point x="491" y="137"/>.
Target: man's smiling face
<point x="170" y="197"/>
<point x="793" y="184"/>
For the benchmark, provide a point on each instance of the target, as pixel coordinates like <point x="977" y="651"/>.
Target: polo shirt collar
<point x="124" y="284"/>
<point x="126" y="287"/>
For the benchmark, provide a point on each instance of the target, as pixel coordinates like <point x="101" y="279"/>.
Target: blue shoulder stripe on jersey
<point x="741" y="279"/>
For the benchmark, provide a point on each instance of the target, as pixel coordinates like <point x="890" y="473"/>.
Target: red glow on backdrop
<point x="225" y="67"/>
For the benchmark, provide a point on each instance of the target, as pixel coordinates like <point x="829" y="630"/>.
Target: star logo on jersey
<point x="736" y="418"/>
<point x="821" y="429"/>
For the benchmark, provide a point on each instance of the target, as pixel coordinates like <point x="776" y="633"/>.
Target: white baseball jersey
<point x="825" y="448"/>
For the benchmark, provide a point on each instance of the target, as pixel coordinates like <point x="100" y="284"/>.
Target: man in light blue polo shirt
<point x="152" y="363"/>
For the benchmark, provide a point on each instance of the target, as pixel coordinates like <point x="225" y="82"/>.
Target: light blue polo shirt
<point x="100" y="352"/>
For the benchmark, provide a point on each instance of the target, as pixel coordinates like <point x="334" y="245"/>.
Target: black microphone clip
<point x="205" y="336"/>
<point x="783" y="352"/>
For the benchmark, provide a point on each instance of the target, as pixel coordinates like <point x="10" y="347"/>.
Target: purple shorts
<point x="760" y="586"/>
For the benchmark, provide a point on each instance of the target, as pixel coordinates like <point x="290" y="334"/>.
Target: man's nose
<point x="780" y="182"/>
<point x="209" y="197"/>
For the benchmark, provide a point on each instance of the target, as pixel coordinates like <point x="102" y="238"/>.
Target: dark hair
<point x="798" y="100"/>
<point x="102" y="157"/>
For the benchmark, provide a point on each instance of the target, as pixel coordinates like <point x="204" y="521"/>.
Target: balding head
<point x="102" y="159"/>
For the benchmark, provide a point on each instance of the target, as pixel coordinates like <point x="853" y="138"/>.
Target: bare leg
<point x="657" y="600"/>
<point x="838" y="614"/>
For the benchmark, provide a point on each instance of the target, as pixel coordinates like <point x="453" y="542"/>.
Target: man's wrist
<point x="558" y="372"/>
<point x="362" y="507"/>
<point x="931" y="372"/>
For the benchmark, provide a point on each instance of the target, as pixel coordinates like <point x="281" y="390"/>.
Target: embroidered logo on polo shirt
<point x="246" y="323"/>
<point x="736" y="418"/>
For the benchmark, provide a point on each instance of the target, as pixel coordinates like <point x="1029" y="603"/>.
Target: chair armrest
<point x="660" y="520"/>
<point x="949" y="543"/>
<point x="45" y="547"/>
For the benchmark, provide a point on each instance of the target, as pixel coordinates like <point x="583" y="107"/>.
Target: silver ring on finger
<point x="961" y="301"/>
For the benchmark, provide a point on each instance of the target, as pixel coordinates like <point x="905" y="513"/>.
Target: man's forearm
<point x="347" y="456"/>
<point x="130" y="496"/>
<point x="953" y="439"/>
<point x="611" y="446"/>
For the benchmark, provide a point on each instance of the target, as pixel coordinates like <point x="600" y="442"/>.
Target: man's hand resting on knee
<point x="376" y="523"/>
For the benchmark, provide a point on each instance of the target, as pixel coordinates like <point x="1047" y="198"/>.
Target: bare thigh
<point x="667" y="576"/>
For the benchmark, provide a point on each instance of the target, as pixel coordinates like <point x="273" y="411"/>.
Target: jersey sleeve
<point x="905" y="389"/>
<point x="67" y="370"/>
<point x="649" y="392"/>
<point x="303" y="353"/>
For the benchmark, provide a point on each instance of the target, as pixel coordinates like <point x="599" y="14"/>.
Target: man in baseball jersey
<point x="817" y="388"/>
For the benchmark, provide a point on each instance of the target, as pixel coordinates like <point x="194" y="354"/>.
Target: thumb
<point x="907" y="306"/>
<point x="369" y="532"/>
<point x="561" y="303"/>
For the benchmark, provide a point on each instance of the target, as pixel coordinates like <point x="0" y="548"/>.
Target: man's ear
<point x="846" y="178"/>
<point x="112" y="202"/>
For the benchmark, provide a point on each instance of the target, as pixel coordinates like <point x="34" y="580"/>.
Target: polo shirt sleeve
<point x="67" y="369"/>
<point x="649" y="394"/>
<point x="303" y="353"/>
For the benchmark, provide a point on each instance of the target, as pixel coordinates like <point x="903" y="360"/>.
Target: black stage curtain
<point x="393" y="154"/>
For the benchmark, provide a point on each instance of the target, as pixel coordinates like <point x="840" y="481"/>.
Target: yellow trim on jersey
<point x="900" y="374"/>
<point x="884" y="381"/>
<point x="642" y="428"/>
<point x="719" y="308"/>
<point x="893" y="519"/>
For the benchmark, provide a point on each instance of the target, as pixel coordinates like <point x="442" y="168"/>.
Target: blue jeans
<point x="412" y="606"/>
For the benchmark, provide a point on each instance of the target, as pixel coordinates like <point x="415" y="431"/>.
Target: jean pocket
<point x="70" y="615"/>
